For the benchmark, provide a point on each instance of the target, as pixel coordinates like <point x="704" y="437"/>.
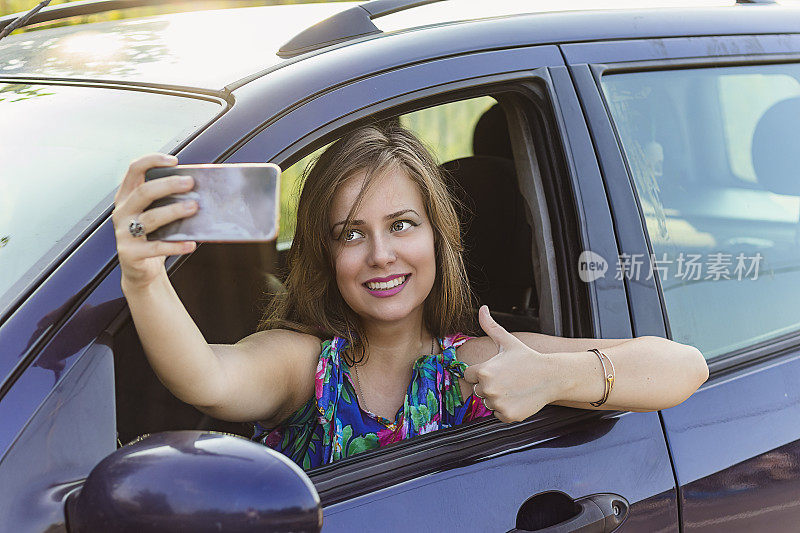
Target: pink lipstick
<point x="384" y="287"/>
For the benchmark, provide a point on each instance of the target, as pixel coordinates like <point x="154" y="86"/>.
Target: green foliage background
<point x="445" y="129"/>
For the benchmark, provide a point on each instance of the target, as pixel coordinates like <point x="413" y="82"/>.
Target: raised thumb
<point x="495" y="331"/>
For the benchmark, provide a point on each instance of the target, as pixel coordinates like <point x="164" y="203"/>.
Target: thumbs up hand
<point x="515" y="383"/>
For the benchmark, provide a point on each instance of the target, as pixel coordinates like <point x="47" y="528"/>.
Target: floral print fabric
<point x="332" y="425"/>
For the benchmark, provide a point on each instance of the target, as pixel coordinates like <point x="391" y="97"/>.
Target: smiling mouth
<point x="387" y="285"/>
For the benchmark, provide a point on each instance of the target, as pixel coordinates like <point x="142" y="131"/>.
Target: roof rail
<point x="86" y="7"/>
<point x="745" y="2"/>
<point x="346" y="25"/>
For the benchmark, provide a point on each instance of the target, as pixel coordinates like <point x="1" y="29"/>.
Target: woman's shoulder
<point x="475" y="350"/>
<point x="289" y="340"/>
<point x="454" y="340"/>
<point x="464" y="348"/>
<point x="292" y="355"/>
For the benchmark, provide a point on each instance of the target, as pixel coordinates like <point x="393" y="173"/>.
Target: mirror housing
<point x="195" y="481"/>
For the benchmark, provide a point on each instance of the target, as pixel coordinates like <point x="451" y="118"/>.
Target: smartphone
<point x="236" y="203"/>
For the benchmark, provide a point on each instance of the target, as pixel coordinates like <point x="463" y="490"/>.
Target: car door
<point x="58" y="413"/>
<point x="692" y="121"/>
<point x="488" y="476"/>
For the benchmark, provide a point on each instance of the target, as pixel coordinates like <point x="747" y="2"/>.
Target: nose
<point x="382" y="251"/>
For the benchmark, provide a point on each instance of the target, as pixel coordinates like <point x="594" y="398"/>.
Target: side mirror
<point x="195" y="481"/>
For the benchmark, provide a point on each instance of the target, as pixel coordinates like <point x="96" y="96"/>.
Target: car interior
<point x="225" y="287"/>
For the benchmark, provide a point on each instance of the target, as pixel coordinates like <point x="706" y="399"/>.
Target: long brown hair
<point x="312" y="302"/>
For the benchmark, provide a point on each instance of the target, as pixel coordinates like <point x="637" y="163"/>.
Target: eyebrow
<point x="387" y="217"/>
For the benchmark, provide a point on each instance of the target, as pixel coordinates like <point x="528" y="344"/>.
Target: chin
<point x="389" y="312"/>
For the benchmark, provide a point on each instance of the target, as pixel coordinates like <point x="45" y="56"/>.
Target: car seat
<point x="775" y="148"/>
<point x="496" y="234"/>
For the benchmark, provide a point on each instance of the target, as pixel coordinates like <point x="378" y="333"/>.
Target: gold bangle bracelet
<point x="608" y="377"/>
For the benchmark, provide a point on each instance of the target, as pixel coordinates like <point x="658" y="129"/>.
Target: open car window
<point x="471" y="141"/>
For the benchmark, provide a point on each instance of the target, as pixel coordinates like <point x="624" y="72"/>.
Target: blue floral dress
<point x="332" y="425"/>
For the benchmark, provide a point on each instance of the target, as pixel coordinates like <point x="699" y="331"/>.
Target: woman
<point x="376" y="292"/>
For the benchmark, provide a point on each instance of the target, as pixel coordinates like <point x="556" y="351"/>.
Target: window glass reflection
<point x="710" y="151"/>
<point x="64" y="150"/>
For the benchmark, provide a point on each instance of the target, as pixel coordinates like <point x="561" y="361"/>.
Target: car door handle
<point x="597" y="513"/>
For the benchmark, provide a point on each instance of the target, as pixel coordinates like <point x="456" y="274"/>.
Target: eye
<point x="400" y="225"/>
<point x="351" y="235"/>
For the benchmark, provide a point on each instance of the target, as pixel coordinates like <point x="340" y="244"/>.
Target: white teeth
<point x="386" y="285"/>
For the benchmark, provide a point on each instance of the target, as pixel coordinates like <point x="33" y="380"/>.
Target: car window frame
<point x="734" y="360"/>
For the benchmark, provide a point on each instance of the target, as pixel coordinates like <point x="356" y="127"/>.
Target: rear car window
<point x="64" y="151"/>
<point x="719" y="196"/>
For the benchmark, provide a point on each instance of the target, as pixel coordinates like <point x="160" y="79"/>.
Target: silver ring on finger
<point x="475" y="392"/>
<point x="136" y="228"/>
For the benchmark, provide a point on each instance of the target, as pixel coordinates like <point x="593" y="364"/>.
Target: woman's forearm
<point x="174" y="346"/>
<point x="651" y="373"/>
<point x="519" y="373"/>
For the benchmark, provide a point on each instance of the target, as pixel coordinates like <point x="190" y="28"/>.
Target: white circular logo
<point x="591" y="266"/>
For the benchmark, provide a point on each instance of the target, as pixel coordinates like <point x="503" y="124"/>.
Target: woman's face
<point x="385" y="264"/>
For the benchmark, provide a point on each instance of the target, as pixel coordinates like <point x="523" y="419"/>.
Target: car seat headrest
<point x="490" y="137"/>
<point x="776" y="148"/>
<point x="497" y="236"/>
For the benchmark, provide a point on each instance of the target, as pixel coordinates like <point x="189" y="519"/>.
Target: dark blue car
<point x="629" y="172"/>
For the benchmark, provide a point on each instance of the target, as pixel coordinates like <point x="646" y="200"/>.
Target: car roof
<point x="213" y="49"/>
<point x="205" y="49"/>
<point x="443" y="12"/>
